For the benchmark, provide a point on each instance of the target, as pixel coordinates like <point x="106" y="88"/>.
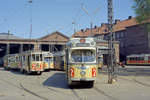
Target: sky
<point x="57" y="15"/>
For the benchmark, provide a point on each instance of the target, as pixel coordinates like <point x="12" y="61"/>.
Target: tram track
<point x="134" y="80"/>
<point x="22" y="87"/>
<point x="46" y="87"/>
<point x="76" y="94"/>
<point x="105" y="94"/>
<point x="33" y="93"/>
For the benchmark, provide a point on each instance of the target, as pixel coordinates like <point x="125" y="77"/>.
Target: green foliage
<point x="142" y="11"/>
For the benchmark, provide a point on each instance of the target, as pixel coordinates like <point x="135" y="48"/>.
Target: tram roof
<point x="138" y="55"/>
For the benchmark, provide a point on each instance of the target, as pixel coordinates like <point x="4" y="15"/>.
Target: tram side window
<point x="37" y="58"/>
<point x="33" y="57"/>
<point x="41" y="57"/>
<point x="24" y="58"/>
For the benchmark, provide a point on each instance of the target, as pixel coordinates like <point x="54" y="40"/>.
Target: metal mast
<point x="111" y="44"/>
<point x="30" y="3"/>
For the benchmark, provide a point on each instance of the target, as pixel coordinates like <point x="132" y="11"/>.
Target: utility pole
<point x="111" y="45"/>
<point x="30" y="3"/>
<point x="8" y="44"/>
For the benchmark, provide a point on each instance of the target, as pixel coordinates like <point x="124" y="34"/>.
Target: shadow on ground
<point x="58" y="80"/>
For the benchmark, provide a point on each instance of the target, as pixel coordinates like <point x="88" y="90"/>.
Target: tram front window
<point x="83" y="56"/>
<point x="48" y="59"/>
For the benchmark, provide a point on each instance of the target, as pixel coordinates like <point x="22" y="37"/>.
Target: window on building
<point x="121" y="44"/>
<point x="121" y="34"/>
<point x="117" y="36"/>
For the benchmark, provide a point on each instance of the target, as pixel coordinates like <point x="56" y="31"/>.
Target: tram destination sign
<point x="83" y="44"/>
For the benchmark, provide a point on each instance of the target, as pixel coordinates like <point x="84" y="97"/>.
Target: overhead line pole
<point x="111" y="45"/>
<point x="30" y="3"/>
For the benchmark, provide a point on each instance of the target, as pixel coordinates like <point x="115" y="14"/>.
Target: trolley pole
<point x="111" y="45"/>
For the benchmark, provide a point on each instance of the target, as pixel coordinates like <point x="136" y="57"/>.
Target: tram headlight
<point x="92" y="43"/>
<point x="73" y="44"/>
<point x="82" y="73"/>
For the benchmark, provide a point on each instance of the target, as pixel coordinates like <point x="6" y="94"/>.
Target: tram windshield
<point x="48" y="59"/>
<point x="36" y="57"/>
<point x="83" y="56"/>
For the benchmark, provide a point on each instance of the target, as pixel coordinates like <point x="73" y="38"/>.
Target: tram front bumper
<point x="83" y="79"/>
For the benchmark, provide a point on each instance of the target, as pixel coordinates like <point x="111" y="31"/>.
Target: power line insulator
<point x="30" y="1"/>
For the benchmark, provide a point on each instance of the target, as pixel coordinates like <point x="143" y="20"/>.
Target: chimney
<point x="82" y="30"/>
<point x="87" y="29"/>
<point x="95" y="27"/>
<point x="129" y="17"/>
<point x="117" y="20"/>
<point x="103" y="24"/>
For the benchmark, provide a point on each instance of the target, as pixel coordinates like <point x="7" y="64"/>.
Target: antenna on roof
<point x="90" y="15"/>
<point x="74" y="23"/>
<point x="30" y="3"/>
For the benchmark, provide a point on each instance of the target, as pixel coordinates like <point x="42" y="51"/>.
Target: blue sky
<point x="57" y="15"/>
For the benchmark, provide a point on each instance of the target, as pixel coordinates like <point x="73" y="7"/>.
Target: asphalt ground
<point x="133" y="83"/>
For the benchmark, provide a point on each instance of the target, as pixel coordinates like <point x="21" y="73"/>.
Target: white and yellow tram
<point x="81" y="61"/>
<point x="6" y="62"/>
<point x="12" y="61"/>
<point x="48" y="60"/>
<point x="32" y="61"/>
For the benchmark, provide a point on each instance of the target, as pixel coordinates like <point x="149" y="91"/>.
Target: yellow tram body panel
<point x="36" y="66"/>
<point x="47" y="65"/>
<point x="87" y="73"/>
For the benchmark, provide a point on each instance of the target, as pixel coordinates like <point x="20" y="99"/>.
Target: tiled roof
<point x="8" y="36"/>
<point x="119" y="26"/>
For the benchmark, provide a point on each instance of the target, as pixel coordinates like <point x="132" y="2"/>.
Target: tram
<point x="138" y="59"/>
<point x="32" y="61"/>
<point x="6" y="62"/>
<point x="100" y="62"/>
<point x="14" y="61"/>
<point x="48" y="61"/>
<point x="81" y="61"/>
<point x="59" y="61"/>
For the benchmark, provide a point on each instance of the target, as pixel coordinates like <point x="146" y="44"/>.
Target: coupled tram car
<point x="27" y="62"/>
<point x="138" y="59"/>
<point x="81" y="61"/>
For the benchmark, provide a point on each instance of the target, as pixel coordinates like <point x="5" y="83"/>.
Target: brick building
<point x="133" y="38"/>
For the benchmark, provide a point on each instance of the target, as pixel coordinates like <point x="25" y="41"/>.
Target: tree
<point x="142" y="11"/>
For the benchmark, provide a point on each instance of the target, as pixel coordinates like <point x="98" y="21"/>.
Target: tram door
<point x="29" y="62"/>
<point x="105" y="59"/>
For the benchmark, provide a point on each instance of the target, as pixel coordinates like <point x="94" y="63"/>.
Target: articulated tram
<point x="27" y="62"/>
<point x="81" y="61"/>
